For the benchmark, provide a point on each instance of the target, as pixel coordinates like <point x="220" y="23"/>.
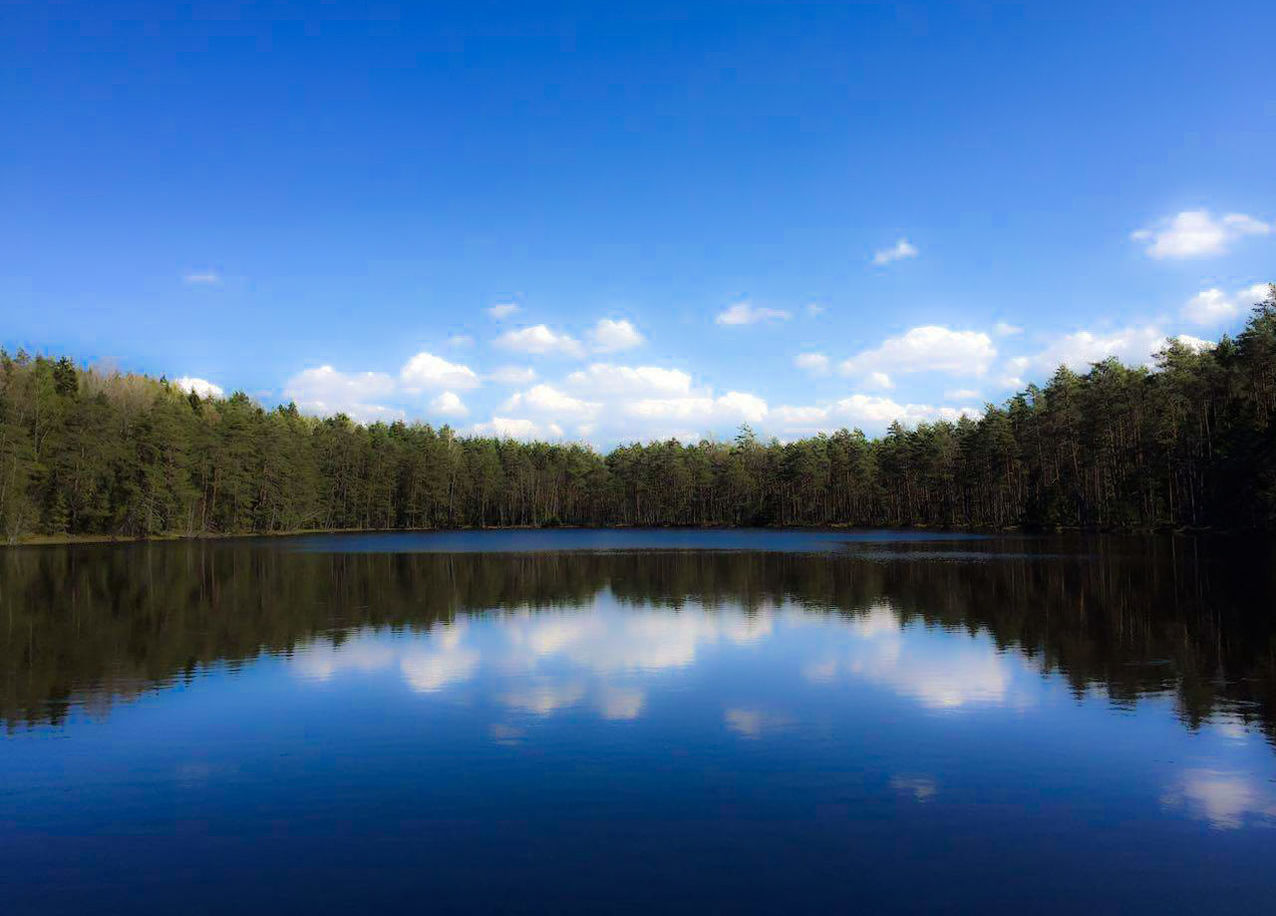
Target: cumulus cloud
<point x="326" y="391"/>
<point x="1003" y="329"/>
<point x="1197" y="233"/>
<point x="930" y="348"/>
<point x="517" y="428"/>
<point x="1213" y="306"/>
<point x="860" y="410"/>
<point x="897" y="252"/>
<point x="202" y="278"/>
<point x="879" y="381"/>
<point x="1194" y="343"/>
<point x="546" y="399"/>
<point x="814" y="363"/>
<point x="539" y="339"/>
<point x="503" y="310"/>
<point x="608" y="379"/>
<point x="611" y="336"/>
<point x="734" y="406"/>
<point x="513" y="375"/>
<point x="746" y="313"/>
<point x="625" y="402"/>
<point x="1132" y="345"/>
<point x="425" y="370"/>
<point x="199" y="386"/>
<point x="449" y="404"/>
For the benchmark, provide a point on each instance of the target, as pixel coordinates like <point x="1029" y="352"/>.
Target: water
<point x="640" y="721"/>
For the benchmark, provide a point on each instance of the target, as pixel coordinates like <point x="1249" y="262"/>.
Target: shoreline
<point x="68" y="540"/>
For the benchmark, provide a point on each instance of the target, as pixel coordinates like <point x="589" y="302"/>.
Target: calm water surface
<point x="579" y="721"/>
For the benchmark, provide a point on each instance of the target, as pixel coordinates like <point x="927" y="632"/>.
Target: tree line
<point x="1190" y="442"/>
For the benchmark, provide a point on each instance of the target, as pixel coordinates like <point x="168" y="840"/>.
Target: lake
<point x="667" y="721"/>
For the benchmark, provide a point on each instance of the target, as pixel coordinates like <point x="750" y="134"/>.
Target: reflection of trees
<point x="89" y="624"/>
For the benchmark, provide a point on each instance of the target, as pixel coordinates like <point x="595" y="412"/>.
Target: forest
<point x="1190" y="443"/>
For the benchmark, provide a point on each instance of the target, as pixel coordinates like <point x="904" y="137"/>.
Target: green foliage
<point x="1191" y="443"/>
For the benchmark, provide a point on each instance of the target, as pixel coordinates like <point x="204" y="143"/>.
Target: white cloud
<point x="546" y="399"/>
<point x="460" y="341"/>
<point x="745" y="313"/>
<point x="1132" y="345"/>
<point x="897" y="252"/>
<point x="860" y="410"/>
<point x="540" y="339"/>
<point x="1212" y="307"/>
<point x="879" y="381"/>
<point x="449" y="404"/>
<point x="425" y="370"/>
<point x="202" y="278"/>
<point x="325" y="391"/>
<point x="517" y="428"/>
<point x="1003" y="329"/>
<point x="815" y="309"/>
<point x="504" y="310"/>
<point x="609" y="336"/>
<point x="734" y="406"/>
<point x="1195" y="343"/>
<point x="961" y="394"/>
<point x="513" y="375"/>
<point x="1196" y="233"/>
<point x="930" y="348"/>
<point x="201" y="387"/>
<point x="814" y="363"/>
<point x="608" y="379"/>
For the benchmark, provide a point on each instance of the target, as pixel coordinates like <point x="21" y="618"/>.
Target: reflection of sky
<point x="784" y="675"/>
<point x="940" y="670"/>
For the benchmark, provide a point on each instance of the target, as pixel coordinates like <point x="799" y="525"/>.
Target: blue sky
<point x="802" y="216"/>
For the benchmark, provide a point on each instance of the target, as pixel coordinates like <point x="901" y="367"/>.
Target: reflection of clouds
<point x="879" y="621"/>
<point x="321" y="661"/>
<point x="434" y="670"/>
<point x="939" y="669"/>
<point x="427" y="663"/>
<point x="632" y="641"/>
<point x="504" y="733"/>
<point x="922" y="788"/>
<point x="621" y="702"/>
<point x="749" y="722"/>
<point x="1227" y="799"/>
<point x="1230" y="726"/>
<point x="543" y="699"/>
<point x="446" y="662"/>
<point x="820" y="672"/>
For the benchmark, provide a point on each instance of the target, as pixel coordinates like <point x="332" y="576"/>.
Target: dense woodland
<point x="1190" y="443"/>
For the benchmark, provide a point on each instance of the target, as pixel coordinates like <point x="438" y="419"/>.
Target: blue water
<point x="759" y="723"/>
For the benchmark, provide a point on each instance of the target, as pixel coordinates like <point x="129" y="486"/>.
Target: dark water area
<point x="657" y="721"/>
